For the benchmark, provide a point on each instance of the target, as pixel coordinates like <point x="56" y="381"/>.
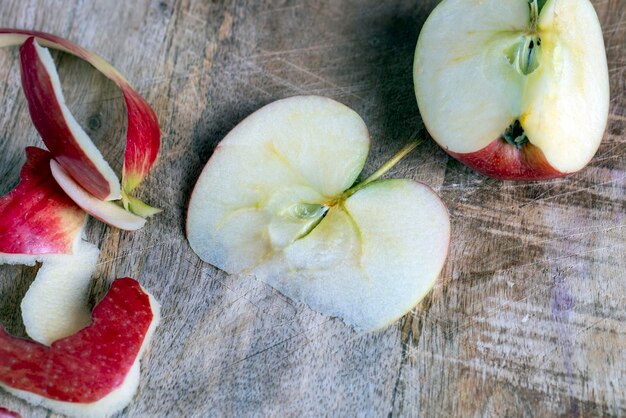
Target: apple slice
<point x="93" y="373"/>
<point x="514" y="89"/>
<point x="69" y="143"/>
<point x="275" y="201"/>
<point x="38" y="220"/>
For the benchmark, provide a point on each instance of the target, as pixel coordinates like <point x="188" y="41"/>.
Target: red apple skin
<point x="503" y="161"/>
<point x="37" y="216"/>
<point x="5" y="413"/>
<point x="143" y="137"/>
<point x="47" y="116"/>
<point x="88" y="365"/>
<point x="142" y="141"/>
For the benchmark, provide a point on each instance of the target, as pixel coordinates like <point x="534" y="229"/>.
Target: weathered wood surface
<point x="528" y="319"/>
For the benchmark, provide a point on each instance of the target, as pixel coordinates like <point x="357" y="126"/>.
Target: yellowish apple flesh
<point x="56" y="303"/>
<point x="480" y="66"/>
<point x="274" y="201"/>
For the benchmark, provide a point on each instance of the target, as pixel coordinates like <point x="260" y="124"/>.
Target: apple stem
<point x="534" y="14"/>
<point x="384" y="168"/>
<point x="526" y="59"/>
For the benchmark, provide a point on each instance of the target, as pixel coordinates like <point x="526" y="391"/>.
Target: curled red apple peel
<point x="61" y="133"/>
<point x="93" y="372"/>
<point x="68" y="142"/>
<point x="90" y="181"/>
<point x="40" y="222"/>
<point x="143" y="137"/>
<point x="38" y="218"/>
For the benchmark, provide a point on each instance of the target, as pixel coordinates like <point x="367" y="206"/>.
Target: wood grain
<point x="528" y="318"/>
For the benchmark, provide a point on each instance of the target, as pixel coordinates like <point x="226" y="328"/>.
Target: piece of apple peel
<point x="38" y="219"/>
<point x="275" y="201"/>
<point x="514" y="89"/>
<point x="68" y="142"/>
<point x="93" y="373"/>
<point x="5" y="413"/>
<point x="39" y="223"/>
<point x="55" y="306"/>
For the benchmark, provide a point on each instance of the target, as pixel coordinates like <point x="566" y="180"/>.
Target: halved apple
<point x="93" y="373"/>
<point x="514" y="89"/>
<point x="274" y="201"/>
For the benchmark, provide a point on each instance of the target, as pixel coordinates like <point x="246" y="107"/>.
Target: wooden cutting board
<point x="528" y="319"/>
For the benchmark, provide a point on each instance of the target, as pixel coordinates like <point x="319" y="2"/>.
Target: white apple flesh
<point x="371" y="259"/>
<point x="274" y="202"/>
<point x="480" y="66"/>
<point x="55" y="305"/>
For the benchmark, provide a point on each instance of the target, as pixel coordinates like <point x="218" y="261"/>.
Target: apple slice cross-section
<point x="514" y="89"/>
<point x="93" y="373"/>
<point x="275" y="201"/>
